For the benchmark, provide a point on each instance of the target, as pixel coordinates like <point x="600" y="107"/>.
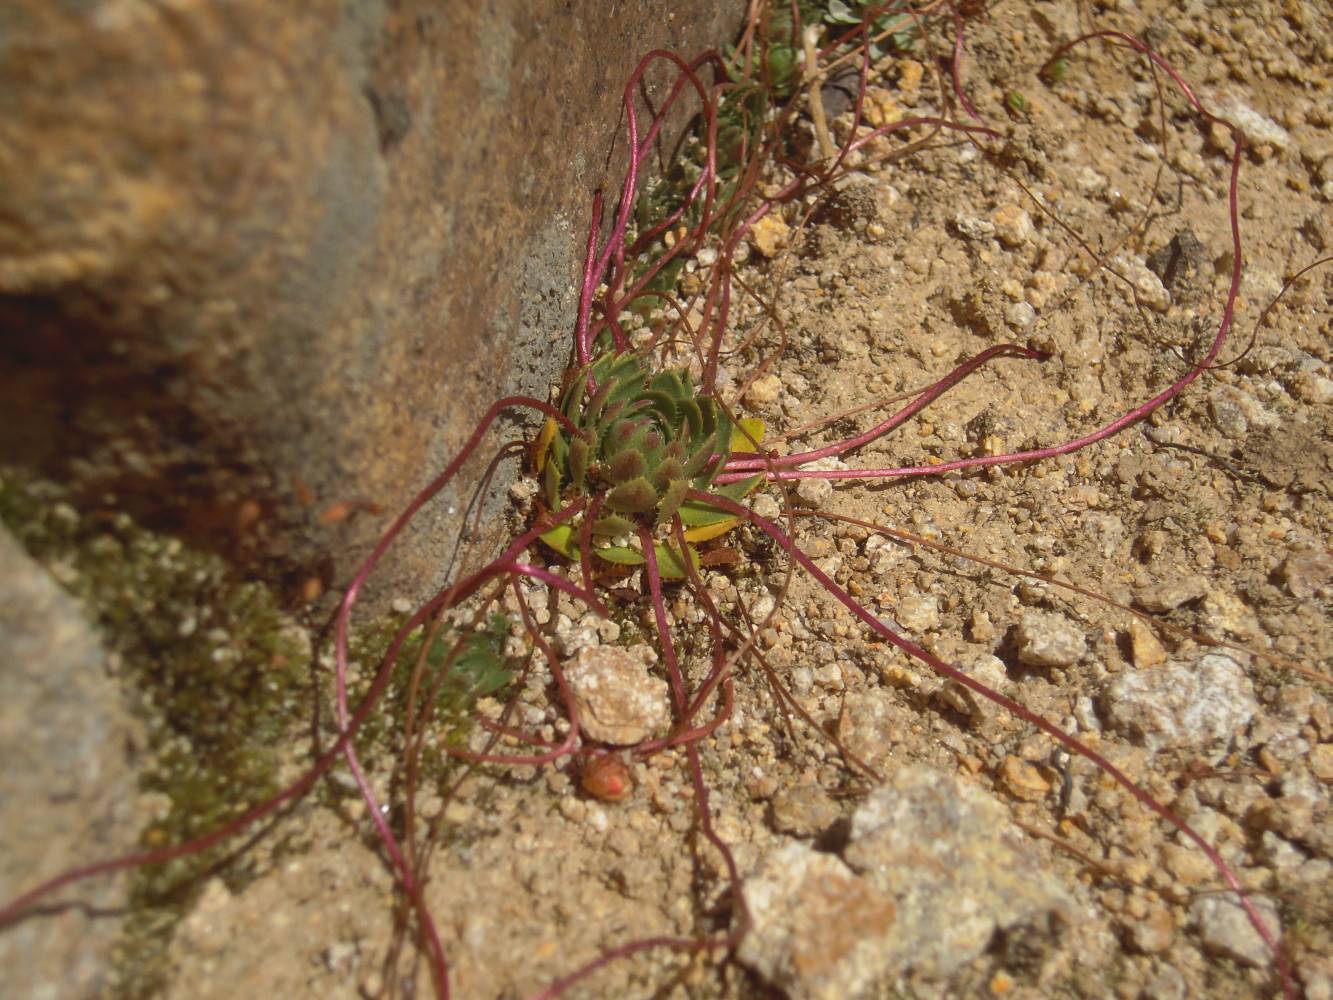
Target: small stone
<point x="1311" y="388"/>
<point x="1260" y="131"/>
<point x="819" y="931"/>
<point x="1154" y="933"/>
<point x="911" y="73"/>
<point x="769" y="235"/>
<point x="1144" y="648"/>
<point x="1012" y="225"/>
<point x="973" y="229"/>
<point x="1181" y="704"/>
<point x="1048" y="640"/>
<point x="1306" y="571"/>
<point x="763" y="391"/>
<point x="1021" y="316"/>
<point x="988" y="670"/>
<point x="1321" y="761"/>
<point x="1023" y="780"/>
<point x="1148" y="286"/>
<point x="918" y="612"/>
<point x="803" y="811"/>
<point x="1171" y="594"/>
<point x="618" y="700"/>
<point x="814" y="492"/>
<point x="979" y="626"/>
<point x="1225" y="928"/>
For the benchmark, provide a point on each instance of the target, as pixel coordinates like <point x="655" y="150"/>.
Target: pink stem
<point x="1027" y="715"/>
<point x="879" y="430"/>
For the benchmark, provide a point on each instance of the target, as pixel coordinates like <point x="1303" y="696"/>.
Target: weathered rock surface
<point x="819" y="930"/>
<point x="619" y="701"/>
<point x="948" y="856"/>
<point x="67" y="786"/>
<point x="259" y="260"/>
<point x="1181" y="704"/>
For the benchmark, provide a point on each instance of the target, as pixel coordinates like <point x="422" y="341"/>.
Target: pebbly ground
<point x="987" y="862"/>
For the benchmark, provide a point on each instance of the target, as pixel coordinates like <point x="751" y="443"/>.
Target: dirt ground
<point x="1213" y="516"/>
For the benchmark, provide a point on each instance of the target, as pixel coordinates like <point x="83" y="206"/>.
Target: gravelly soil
<point x="1213" y="516"/>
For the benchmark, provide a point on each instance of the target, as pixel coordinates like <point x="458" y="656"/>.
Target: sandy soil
<point x="1213" y="516"/>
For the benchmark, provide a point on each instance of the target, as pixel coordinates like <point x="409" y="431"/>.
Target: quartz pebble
<point x="1225" y="928"/>
<point x="1013" y="225"/>
<point x="1048" y="640"/>
<point x="619" y="701"/>
<point x="1180" y="704"/>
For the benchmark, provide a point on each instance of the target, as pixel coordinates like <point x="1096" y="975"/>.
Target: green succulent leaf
<point x="634" y="497"/>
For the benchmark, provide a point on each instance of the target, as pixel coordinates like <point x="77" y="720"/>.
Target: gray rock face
<point x="820" y="932"/>
<point x="1226" y="930"/>
<point x="257" y="260"/>
<point x="948" y="856"/>
<point x="932" y="873"/>
<point x="1180" y="704"/>
<point x="66" y="788"/>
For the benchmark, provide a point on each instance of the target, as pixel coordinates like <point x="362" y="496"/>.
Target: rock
<point x="819" y="931"/>
<point x="803" y="811"/>
<point x="1260" y="131"/>
<point x="1225" y="928"/>
<point x="1023" y="780"/>
<point x="918" y="612"/>
<point x="1153" y="933"/>
<point x="987" y="669"/>
<point x="814" y="492"/>
<point x="948" y="857"/>
<point x="401" y="195"/>
<point x="1180" y="704"/>
<point x="1020" y="316"/>
<point x="1144" y="648"/>
<point x="1043" y="639"/>
<point x="1148" y="286"/>
<point x="1321" y="761"/>
<point x="67" y="787"/>
<point x="973" y="229"/>
<point x="769" y="236"/>
<point x="1013" y="226"/>
<point x="1170" y="594"/>
<point x="763" y="391"/>
<point x="1303" y="573"/>
<point x="619" y="701"/>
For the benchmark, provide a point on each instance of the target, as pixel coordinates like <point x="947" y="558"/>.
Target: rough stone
<point x="918" y="612"/>
<point x="1145" y="650"/>
<point x="769" y="235"/>
<point x="260" y="263"/>
<point x="1043" y="639"/>
<point x="948" y="857"/>
<point x="1012" y="225"/>
<point x="1225" y="928"/>
<point x="819" y="931"/>
<point x="1305" y="572"/>
<point x="619" y="701"/>
<point x="1260" y="130"/>
<point x="1167" y="595"/>
<point x="987" y="669"/>
<point x="804" y="810"/>
<point x="1180" y="704"/>
<point x="67" y="786"/>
